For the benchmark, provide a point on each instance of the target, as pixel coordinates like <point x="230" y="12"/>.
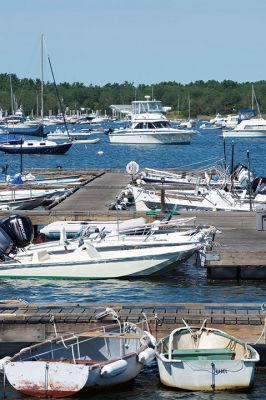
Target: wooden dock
<point x="97" y="195"/>
<point x="238" y="252"/>
<point x="246" y="321"/>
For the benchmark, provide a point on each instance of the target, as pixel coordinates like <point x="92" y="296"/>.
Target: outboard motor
<point x="6" y="244"/>
<point x="16" y="231"/>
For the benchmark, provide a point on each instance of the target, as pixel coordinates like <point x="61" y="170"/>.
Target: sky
<point x="140" y="41"/>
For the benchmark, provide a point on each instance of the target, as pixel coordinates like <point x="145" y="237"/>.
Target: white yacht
<point x="248" y="128"/>
<point x="149" y="125"/>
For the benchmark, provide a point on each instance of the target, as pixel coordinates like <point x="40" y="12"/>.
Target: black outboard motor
<point x="16" y="231"/>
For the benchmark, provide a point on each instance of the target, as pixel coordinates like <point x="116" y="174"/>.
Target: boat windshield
<point x="152" y="125"/>
<point x="140" y="107"/>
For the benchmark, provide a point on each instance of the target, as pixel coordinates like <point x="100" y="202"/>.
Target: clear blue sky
<point x="140" y="41"/>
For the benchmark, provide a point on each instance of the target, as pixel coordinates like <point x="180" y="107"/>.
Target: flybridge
<point x="147" y="106"/>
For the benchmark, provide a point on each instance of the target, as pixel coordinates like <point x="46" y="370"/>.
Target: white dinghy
<point x="205" y="359"/>
<point x="65" y="365"/>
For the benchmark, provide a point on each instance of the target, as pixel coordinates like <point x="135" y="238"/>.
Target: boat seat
<point x="40" y="256"/>
<point x="202" y="354"/>
<point x="86" y="251"/>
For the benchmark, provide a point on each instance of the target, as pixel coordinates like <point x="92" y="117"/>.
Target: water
<point x="205" y="148"/>
<point x="187" y="284"/>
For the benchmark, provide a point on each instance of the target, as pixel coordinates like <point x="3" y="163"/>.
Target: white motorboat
<point x="75" y="136"/>
<point x="210" y="127"/>
<point x="214" y="200"/>
<point x="85" y="262"/>
<point x="248" y="128"/>
<point x="205" y="359"/>
<point x="149" y="126"/>
<point x="65" y="365"/>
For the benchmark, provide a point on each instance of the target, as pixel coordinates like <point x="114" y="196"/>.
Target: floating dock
<point x="238" y="251"/>
<point x="39" y="322"/>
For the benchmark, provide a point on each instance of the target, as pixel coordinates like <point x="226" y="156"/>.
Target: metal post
<point x="225" y="166"/>
<point x="162" y="197"/>
<point x="232" y="166"/>
<point x="21" y="156"/>
<point x="249" y="183"/>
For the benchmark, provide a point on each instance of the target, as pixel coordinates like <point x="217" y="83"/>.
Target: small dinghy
<point x="63" y="366"/>
<point x="205" y="359"/>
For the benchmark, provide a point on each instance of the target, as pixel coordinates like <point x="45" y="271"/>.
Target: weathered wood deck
<point x="245" y="321"/>
<point x="97" y="195"/>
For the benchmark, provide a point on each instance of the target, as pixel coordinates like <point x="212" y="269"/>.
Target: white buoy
<point x="100" y="152"/>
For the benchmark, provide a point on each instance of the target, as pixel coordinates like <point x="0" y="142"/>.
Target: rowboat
<point x="63" y="366"/>
<point x="205" y="359"/>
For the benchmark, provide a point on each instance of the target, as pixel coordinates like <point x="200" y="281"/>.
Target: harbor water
<point x="186" y="284"/>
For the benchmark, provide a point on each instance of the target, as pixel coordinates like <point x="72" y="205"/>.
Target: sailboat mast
<point x="11" y="95"/>
<point x="42" y="76"/>
<point x="252" y="97"/>
<point x="189" y="106"/>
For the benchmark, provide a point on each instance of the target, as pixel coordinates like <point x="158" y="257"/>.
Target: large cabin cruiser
<point x="149" y="125"/>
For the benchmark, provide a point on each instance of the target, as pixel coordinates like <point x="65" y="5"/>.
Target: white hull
<point x="63" y="366"/>
<point x="140" y="137"/>
<point x="234" y="134"/>
<point x="205" y="359"/>
<point x="207" y="374"/>
<point x="215" y="200"/>
<point x="87" y="263"/>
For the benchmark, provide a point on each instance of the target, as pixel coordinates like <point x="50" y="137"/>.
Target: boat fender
<point x="146" y="356"/>
<point x="149" y="339"/>
<point x="3" y="362"/>
<point x="114" y="368"/>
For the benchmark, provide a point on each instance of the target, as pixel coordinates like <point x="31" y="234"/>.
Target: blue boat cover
<point x="17" y="180"/>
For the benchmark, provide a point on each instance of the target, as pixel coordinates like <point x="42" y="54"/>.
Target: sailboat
<point x="39" y="146"/>
<point x="35" y="147"/>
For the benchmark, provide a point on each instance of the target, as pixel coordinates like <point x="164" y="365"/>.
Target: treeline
<point x="204" y="98"/>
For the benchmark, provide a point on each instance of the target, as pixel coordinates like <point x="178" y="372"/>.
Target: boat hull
<point x="18" y="149"/>
<point x="193" y="358"/>
<point x="152" y="261"/>
<point x="128" y="137"/>
<point x="207" y="374"/>
<point x="28" y="131"/>
<point x="65" y="365"/>
<point x="248" y="134"/>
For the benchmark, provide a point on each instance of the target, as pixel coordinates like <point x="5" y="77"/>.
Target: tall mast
<point x="42" y="76"/>
<point x="252" y="96"/>
<point x="11" y="95"/>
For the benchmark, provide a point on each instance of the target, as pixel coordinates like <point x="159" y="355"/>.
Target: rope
<point x="263" y="330"/>
<point x="82" y="341"/>
<point x="4" y="383"/>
